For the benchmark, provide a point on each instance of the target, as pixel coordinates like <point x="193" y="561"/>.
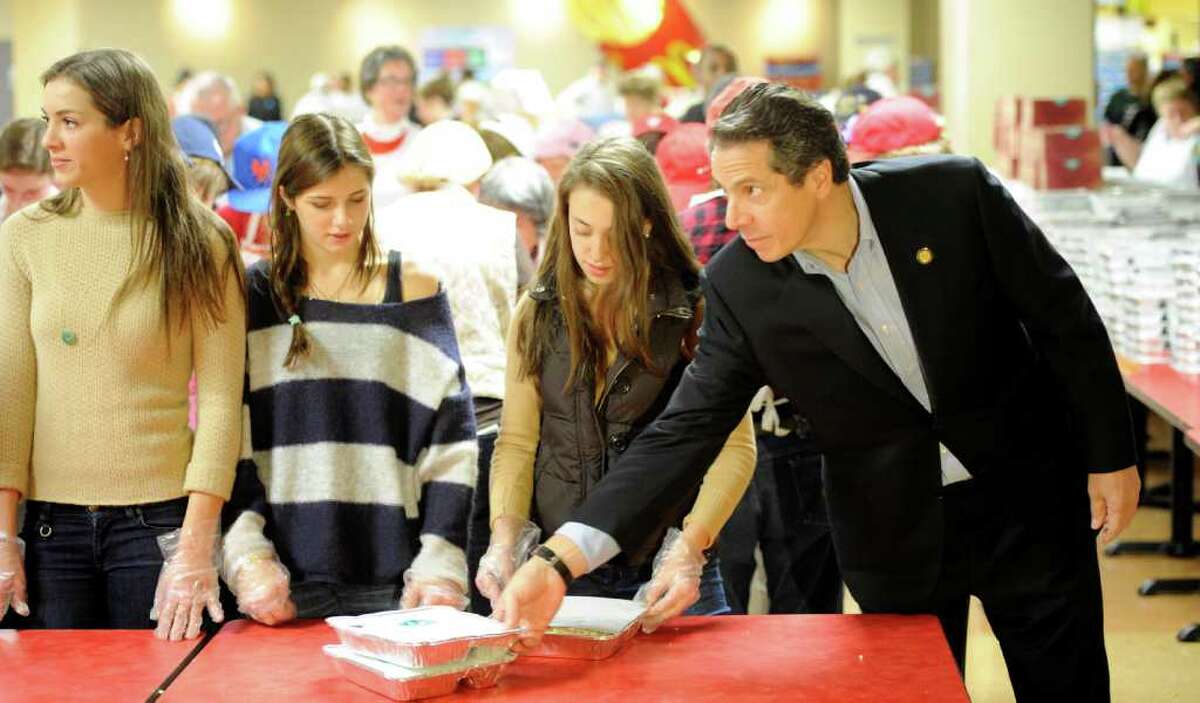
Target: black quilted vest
<point x="583" y="436"/>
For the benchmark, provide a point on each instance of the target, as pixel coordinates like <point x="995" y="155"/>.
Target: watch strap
<point x="548" y="555"/>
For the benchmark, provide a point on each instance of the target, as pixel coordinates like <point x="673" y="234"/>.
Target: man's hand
<point x="530" y="601"/>
<point x="1114" y="499"/>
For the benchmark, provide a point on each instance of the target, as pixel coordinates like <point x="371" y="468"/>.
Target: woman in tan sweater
<point x="594" y="352"/>
<point x="115" y="292"/>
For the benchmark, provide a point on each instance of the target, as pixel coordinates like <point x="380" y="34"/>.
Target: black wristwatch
<point x="547" y="554"/>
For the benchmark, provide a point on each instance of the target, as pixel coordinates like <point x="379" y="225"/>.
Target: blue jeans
<point x="783" y="512"/>
<point x="92" y="567"/>
<point x="322" y="600"/>
<point x="616" y="581"/>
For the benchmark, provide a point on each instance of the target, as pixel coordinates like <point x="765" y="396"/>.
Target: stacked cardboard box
<point x="1046" y="142"/>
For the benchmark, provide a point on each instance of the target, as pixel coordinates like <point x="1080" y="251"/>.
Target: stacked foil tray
<point x="420" y="652"/>
<point x="481" y="669"/>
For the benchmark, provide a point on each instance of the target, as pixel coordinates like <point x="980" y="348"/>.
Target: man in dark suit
<point x="955" y="375"/>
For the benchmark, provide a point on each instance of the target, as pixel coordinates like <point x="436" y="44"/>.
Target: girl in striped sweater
<point x="358" y="459"/>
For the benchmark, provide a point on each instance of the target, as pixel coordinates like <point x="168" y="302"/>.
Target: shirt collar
<point x="867" y="236"/>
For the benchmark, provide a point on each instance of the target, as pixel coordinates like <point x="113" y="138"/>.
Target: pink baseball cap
<point x="654" y="123"/>
<point x="683" y="159"/>
<point x="726" y="96"/>
<point x="894" y="123"/>
<point x="563" y="139"/>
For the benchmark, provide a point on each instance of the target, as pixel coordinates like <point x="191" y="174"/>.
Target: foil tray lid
<point x="419" y="626"/>
<point x="590" y="613"/>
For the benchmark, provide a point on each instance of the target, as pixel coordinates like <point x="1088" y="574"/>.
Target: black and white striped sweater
<point x="361" y="461"/>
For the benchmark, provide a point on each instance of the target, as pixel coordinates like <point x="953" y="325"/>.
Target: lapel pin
<point x="924" y="256"/>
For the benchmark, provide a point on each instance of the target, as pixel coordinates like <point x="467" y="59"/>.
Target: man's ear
<point x="820" y="178"/>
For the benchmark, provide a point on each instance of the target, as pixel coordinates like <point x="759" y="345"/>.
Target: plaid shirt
<point x="704" y="224"/>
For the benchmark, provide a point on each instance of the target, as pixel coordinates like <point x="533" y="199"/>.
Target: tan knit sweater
<point x="95" y="405"/>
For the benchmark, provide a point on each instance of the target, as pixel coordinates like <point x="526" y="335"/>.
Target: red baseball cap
<point x="894" y="123"/>
<point x="683" y="159"/>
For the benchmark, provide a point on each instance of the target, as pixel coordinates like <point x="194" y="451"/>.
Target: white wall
<point x="863" y="25"/>
<point x="992" y="48"/>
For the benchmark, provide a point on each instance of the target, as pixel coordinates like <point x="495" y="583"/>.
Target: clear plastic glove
<point x="675" y="583"/>
<point x="188" y="584"/>
<point x="420" y="590"/>
<point x="503" y="556"/>
<point x="12" y="576"/>
<point x="263" y="588"/>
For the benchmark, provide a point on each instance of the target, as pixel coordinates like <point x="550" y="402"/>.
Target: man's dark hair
<point x="372" y="64"/>
<point x="801" y="132"/>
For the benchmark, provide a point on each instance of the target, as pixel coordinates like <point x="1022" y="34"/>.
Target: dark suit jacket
<point x="1021" y="376"/>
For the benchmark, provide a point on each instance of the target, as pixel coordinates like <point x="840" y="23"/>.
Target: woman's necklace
<point x="313" y="287"/>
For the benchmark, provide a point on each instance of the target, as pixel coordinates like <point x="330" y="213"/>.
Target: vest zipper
<point x="682" y="312"/>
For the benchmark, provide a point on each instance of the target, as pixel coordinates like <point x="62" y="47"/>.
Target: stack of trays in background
<point x="1139" y="272"/>
<point x="421" y="652"/>
<point x="1136" y="250"/>
<point x="1183" y="312"/>
<point x="1132" y="206"/>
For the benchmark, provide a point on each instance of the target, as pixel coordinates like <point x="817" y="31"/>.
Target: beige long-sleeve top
<point x="511" y="485"/>
<point x="95" y="396"/>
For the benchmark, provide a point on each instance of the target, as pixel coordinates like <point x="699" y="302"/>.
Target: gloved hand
<point x="512" y="541"/>
<point x="12" y="576"/>
<point x="675" y="583"/>
<point x="422" y="590"/>
<point x="188" y="583"/>
<point x="262" y="585"/>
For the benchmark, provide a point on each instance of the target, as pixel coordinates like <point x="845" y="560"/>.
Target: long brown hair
<point x="625" y="173"/>
<point x="314" y="148"/>
<point x="172" y="235"/>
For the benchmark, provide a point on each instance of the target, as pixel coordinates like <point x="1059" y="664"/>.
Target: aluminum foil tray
<point x="421" y="637"/>
<point x="479" y="670"/>
<point x="590" y="628"/>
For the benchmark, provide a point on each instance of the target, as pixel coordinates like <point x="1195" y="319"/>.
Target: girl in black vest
<point x="594" y="352"/>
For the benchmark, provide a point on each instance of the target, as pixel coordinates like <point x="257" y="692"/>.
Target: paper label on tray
<point x="421" y="625"/>
<point x="590" y="613"/>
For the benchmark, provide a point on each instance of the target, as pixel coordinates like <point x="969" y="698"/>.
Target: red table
<point x="1175" y="397"/>
<point x="842" y="658"/>
<point x="1172" y="395"/>
<point x="85" y="665"/>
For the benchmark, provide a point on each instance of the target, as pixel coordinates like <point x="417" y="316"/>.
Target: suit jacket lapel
<point x="920" y="285"/>
<point x="816" y="304"/>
